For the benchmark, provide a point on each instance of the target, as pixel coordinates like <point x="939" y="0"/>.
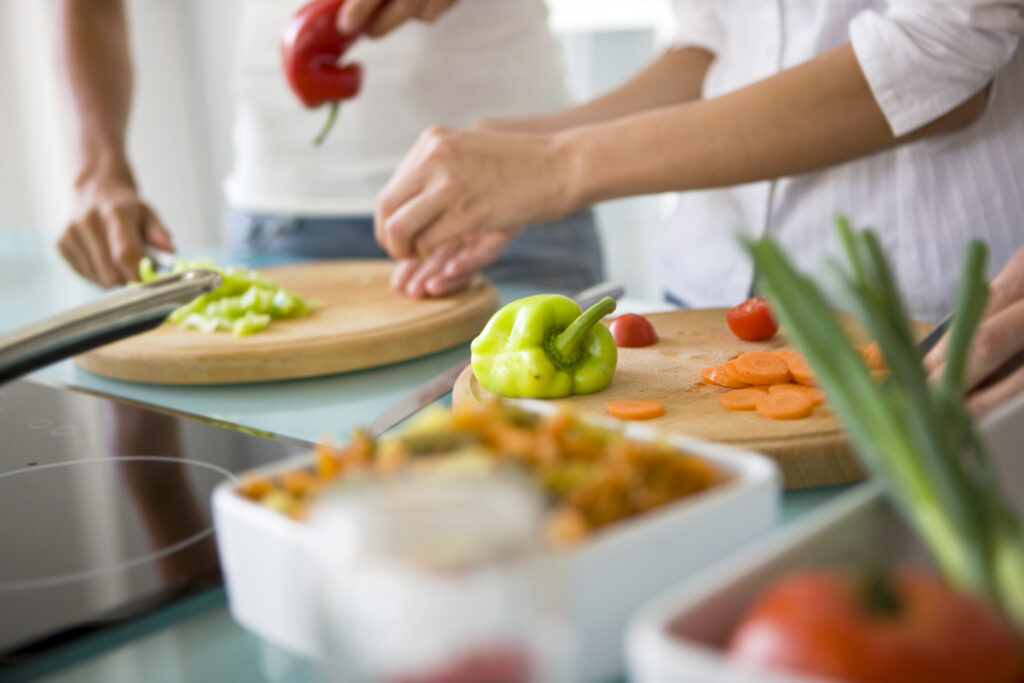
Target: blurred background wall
<point x="179" y="137"/>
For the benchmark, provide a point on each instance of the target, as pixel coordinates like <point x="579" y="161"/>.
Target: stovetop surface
<point x="105" y="509"/>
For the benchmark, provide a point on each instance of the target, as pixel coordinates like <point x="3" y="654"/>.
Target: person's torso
<point x="481" y="58"/>
<point x="926" y="199"/>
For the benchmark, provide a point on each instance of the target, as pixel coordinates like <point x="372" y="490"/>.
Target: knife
<point x="441" y="384"/>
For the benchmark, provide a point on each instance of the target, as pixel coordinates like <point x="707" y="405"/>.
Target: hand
<point x="449" y="267"/>
<point x="453" y="184"/>
<point x="1000" y="338"/>
<point x="379" y="17"/>
<point x="104" y="242"/>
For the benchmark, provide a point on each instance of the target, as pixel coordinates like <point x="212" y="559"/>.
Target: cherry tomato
<point x="752" y="320"/>
<point x="822" y="623"/>
<point x="631" y="330"/>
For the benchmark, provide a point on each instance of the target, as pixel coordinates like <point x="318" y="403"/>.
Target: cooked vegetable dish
<point x="593" y="476"/>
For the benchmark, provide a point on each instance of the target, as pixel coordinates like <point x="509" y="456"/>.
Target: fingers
<point x="391" y="16"/>
<point x="354" y="14"/>
<point x="1008" y="285"/>
<point x="432" y="266"/>
<point x="433" y="9"/>
<point x="999" y="338"/>
<point x="449" y="269"/>
<point x="124" y="235"/>
<point x="156" y="234"/>
<point x="403" y="272"/>
<point x="94" y="238"/>
<point x="73" y="251"/>
<point x="983" y="400"/>
<point x="935" y="359"/>
<point x="412" y="218"/>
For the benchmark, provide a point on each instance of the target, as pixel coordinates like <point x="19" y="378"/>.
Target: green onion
<point x="245" y="303"/>
<point x="916" y="438"/>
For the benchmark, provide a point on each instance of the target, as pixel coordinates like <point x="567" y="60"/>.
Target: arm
<point x="104" y="242"/>
<point x="676" y="77"/>
<point x="822" y="112"/>
<point x="814" y="115"/>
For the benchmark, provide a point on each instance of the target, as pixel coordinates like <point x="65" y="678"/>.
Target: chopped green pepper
<point x="245" y="303"/>
<point x="543" y="347"/>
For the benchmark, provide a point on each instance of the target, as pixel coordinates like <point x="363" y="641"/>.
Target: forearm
<point x="96" y="66"/>
<point x="814" y="115"/>
<point x="676" y="77"/>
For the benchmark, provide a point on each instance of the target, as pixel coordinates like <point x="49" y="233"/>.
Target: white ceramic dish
<point x="269" y="572"/>
<point x="678" y="636"/>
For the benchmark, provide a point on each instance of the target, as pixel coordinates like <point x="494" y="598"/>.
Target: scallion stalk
<point x="916" y="438"/>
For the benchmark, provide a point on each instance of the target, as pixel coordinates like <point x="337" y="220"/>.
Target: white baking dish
<point x="270" y="574"/>
<point x="678" y="636"/>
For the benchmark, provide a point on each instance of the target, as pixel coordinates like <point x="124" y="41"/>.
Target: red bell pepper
<point x="311" y="49"/>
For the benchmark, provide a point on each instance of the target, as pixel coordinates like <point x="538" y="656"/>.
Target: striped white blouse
<point x="922" y="58"/>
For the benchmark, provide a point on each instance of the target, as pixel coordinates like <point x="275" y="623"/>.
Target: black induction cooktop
<point x="105" y="510"/>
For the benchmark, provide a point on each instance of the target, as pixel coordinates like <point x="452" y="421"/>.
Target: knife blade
<point x="442" y="383"/>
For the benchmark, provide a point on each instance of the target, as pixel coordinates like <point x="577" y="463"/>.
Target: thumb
<point x="156" y="234"/>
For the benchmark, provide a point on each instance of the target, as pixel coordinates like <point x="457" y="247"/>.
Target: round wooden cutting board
<point x="361" y="323"/>
<point x="810" y="451"/>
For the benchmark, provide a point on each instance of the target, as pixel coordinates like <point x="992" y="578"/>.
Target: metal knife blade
<point x="441" y="384"/>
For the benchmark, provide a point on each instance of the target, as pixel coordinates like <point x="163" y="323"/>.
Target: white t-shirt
<point x="481" y="58"/>
<point x="921" y="58"/>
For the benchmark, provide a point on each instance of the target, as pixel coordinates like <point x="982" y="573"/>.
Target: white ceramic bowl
<point x="270" y="574"/>
<point x="678" y="636"/>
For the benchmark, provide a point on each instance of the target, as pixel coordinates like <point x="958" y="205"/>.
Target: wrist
<point x="577" y="158"/>
<point x="105" y="168"/>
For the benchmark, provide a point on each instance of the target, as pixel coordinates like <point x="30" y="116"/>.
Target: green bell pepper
<point x="543" y="347"/>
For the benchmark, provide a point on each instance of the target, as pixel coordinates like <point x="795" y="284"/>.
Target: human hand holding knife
<point x="441" y="384"/>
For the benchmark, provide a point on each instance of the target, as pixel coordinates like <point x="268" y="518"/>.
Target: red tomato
<point x="631" y="330"/>
<point x="752" y="320"/>
<point x="820" y="623"/>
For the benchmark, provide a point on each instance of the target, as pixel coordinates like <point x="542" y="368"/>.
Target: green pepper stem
<point x="332" y="114"/>
<point x="567" y="344"/>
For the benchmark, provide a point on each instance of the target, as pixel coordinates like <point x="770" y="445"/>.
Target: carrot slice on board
<point x="798" y="367"/>
<point x="734" y="372"/>
<point x="816" y="395"/>
<point x="717" y="374"/>
<point x="872" y="355"/>
<point x="639" y="409"/>
<point x="761" y="367"/>
<point x="784" y="406"/>
<point x="801" y="371"/>
<point x="742" y="399"/>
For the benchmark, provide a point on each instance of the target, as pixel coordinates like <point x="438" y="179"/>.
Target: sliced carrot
<point x="872" y="355"/>
<point x="816" y="395"/>
<point x="639" y="409"/>
<point x="742" y="399"/>
<point x="786" y="354"/>
<point x="761" y="367"/>
<point x="734" y="372"/>
<point x="784" y="406"/>
<point x="717" y="374"/>
<point x="798" y="367"/>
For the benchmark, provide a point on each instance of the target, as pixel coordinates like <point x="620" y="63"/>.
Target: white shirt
<point x="481" y="58"/>
<point x="921" y="58"/>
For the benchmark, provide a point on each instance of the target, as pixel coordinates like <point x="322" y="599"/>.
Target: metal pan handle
<point x="109" y="318"/>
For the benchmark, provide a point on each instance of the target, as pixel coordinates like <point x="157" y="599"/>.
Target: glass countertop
<point x="197" y="640"/>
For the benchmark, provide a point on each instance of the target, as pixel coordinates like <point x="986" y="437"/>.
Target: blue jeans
<point x="561" y="255"/>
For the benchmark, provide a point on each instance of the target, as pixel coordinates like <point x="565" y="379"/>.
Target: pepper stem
<point x="878" y="593"/>
<point x="567" y="344"/>
<point x="332" y="114"/>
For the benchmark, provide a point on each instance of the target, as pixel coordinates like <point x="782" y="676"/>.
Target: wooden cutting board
<point x="810" y="451"/>
<point x="362" y="323"/>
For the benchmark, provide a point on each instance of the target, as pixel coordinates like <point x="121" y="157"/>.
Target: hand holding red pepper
<point x="311" y="48"/>
<point x="319" y="34"/>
